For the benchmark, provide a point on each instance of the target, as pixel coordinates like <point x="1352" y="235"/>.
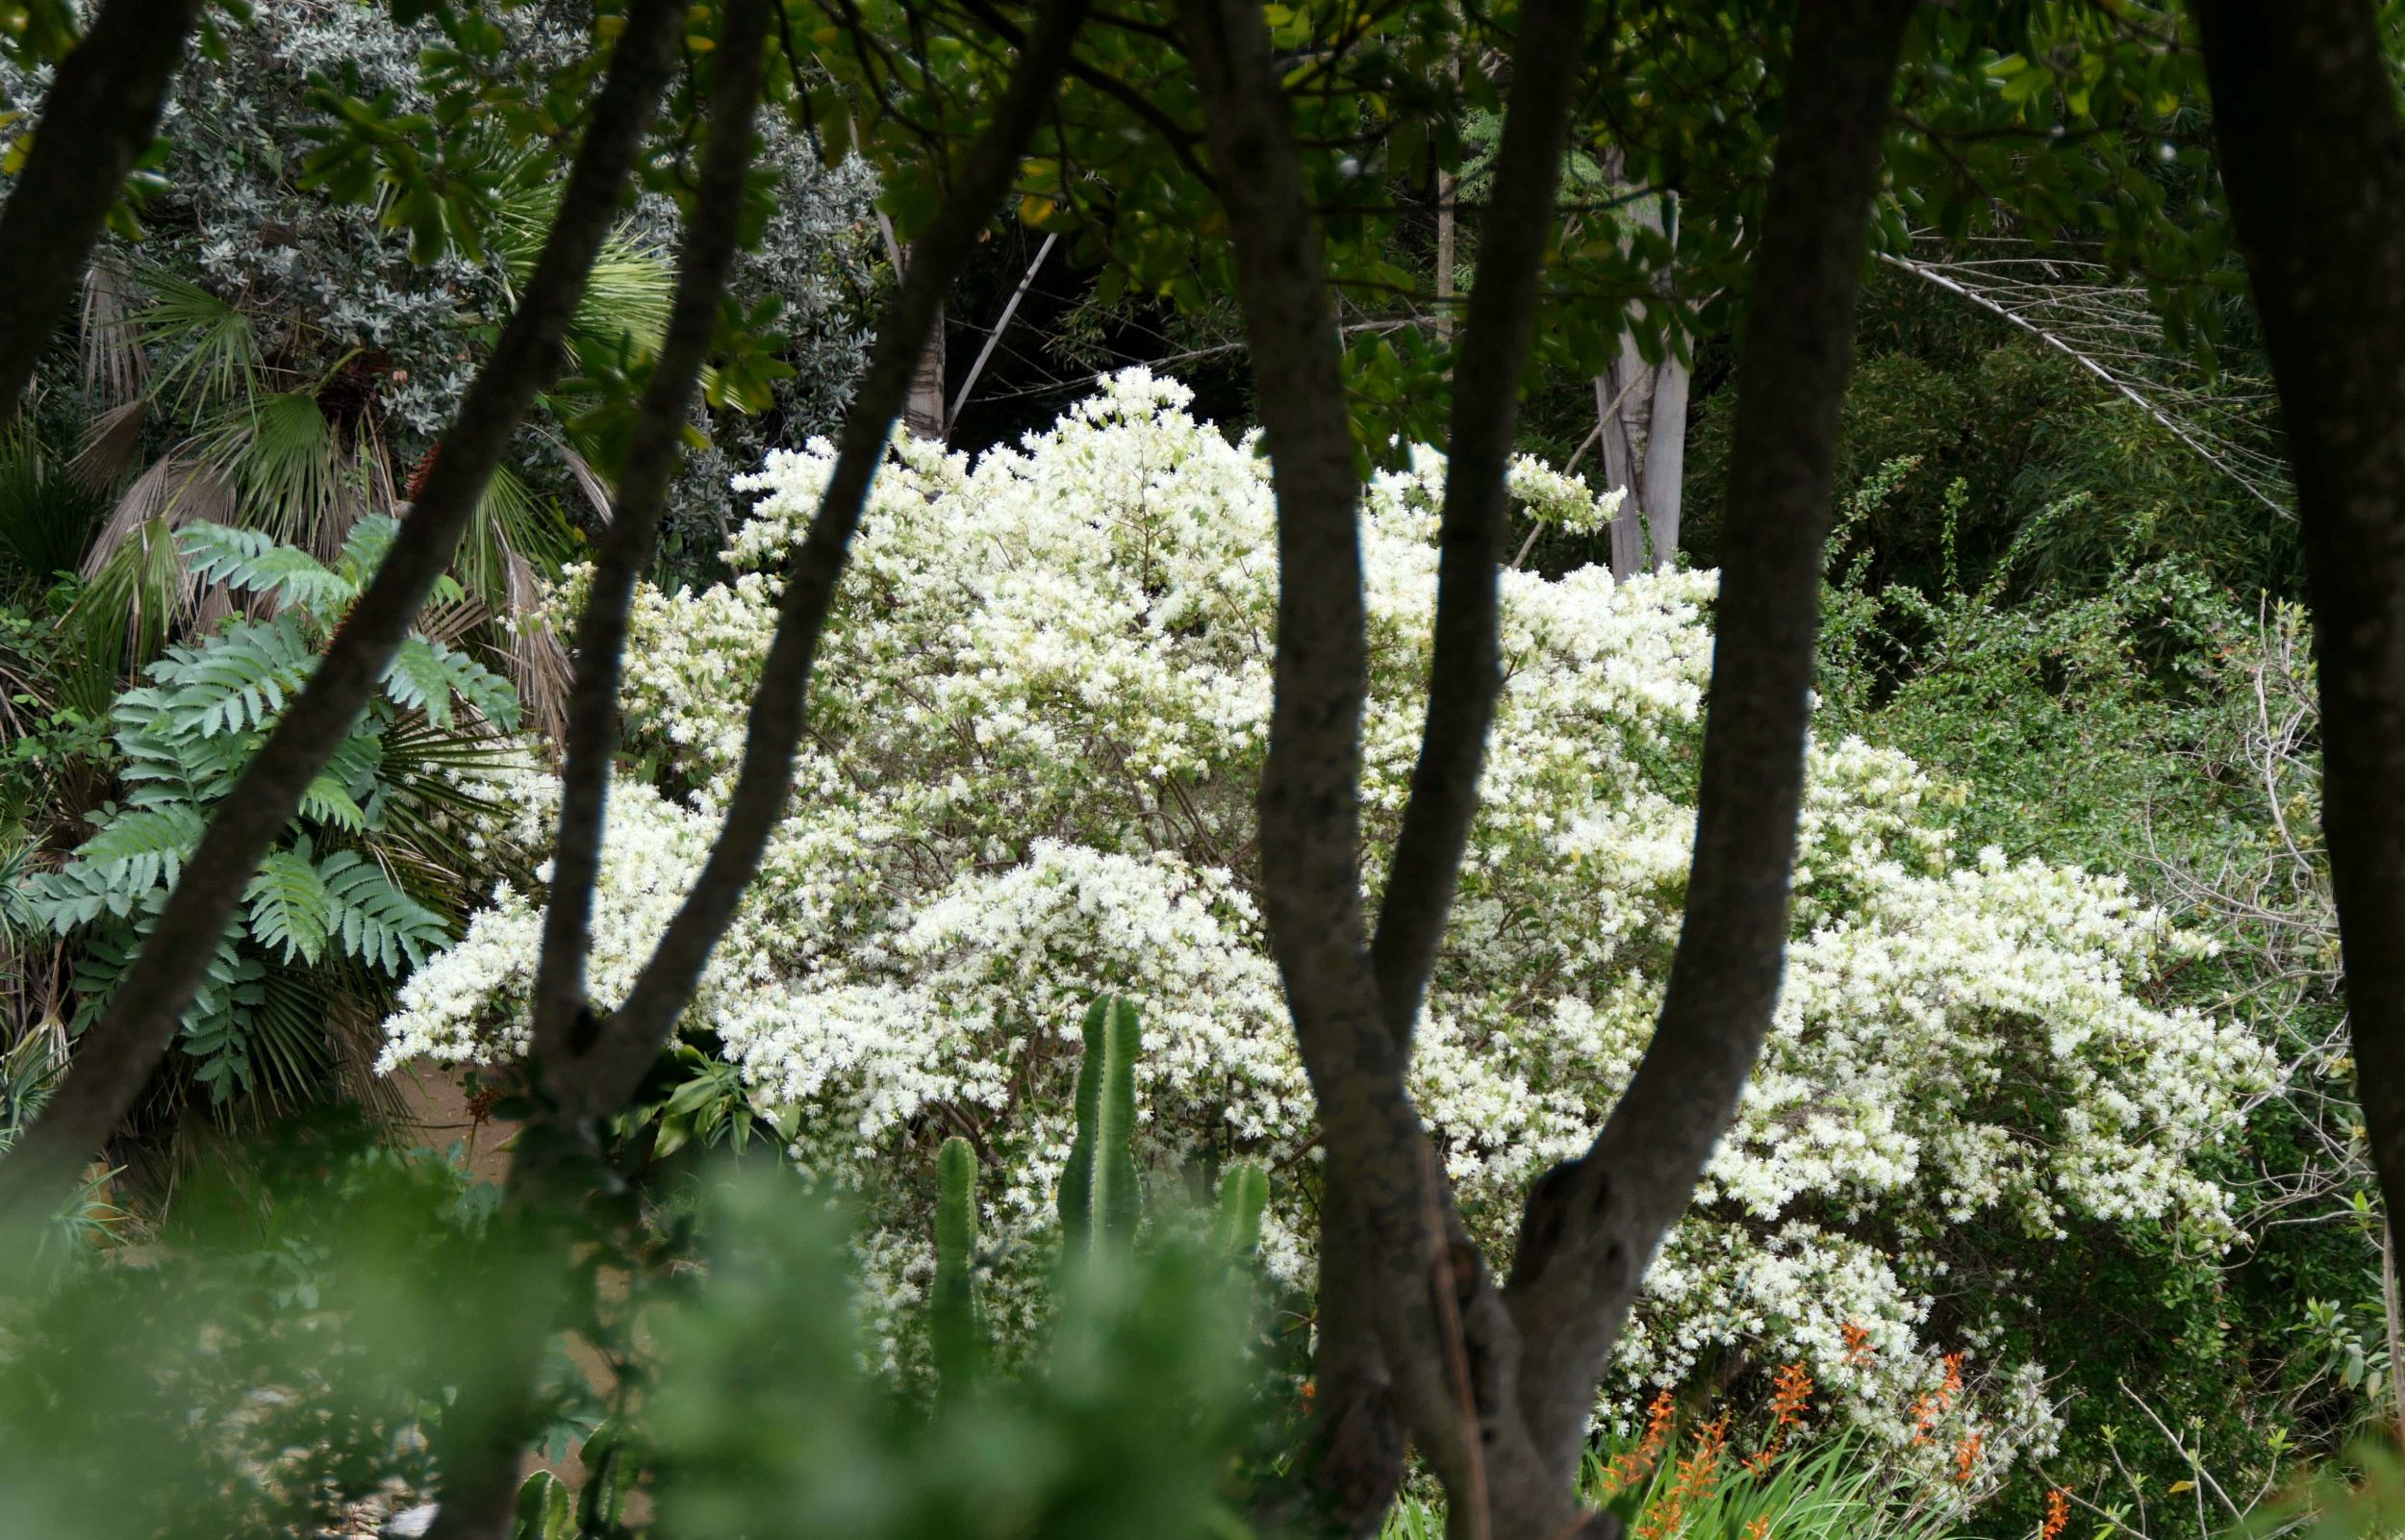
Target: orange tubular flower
<point x="1629" y="1468"/>
<point x="1791" y="1392"/>
<point x="1966" y="1456"/>
<point x="2058" y="1515"/>
<point x="1859" y="1352"/>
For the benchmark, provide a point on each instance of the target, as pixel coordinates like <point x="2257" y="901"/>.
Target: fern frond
<point x="140" y="847"/>
<point x="236" y="679"/>
<point x="432" y="677"/>
<point x="328" y="801"/>
<point x="364" y="548"/>
<point x="377" y="923"/>
<point x="290" y="907"/>
<point x="251" y="561"/>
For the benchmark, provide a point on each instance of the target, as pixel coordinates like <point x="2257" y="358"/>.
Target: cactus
<point x="1243" y="1193"/>
<point x="958" y="1331"/>
<point x="546" y="1509"/>
<point x="1100" y="1202"/>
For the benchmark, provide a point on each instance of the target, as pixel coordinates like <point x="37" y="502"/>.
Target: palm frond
<point x="111" y="440"/>
<point x="45" y="513"/>
<point x="597" y="491"/>
<point x="132" y="599"/>
<point x="116" y="367"/>
<point x="210" y="346"/>
<point x="288" y="468"/>
<point x="176" y="488"/>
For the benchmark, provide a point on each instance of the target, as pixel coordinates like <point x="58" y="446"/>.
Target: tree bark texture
<point x="2312" y="155"/>
<point x="117" y="1056"/>
<point x="1641" y="417"/>
<point x="1494" y="1385"/>
<point x="1592" y="1226"/>
<point x="626" y="546"/>
<point x="100" y="114"/>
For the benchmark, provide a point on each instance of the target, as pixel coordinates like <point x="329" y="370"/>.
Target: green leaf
<point x="375" y="921"/>
<point x="290" y="907"/>
<point x="250" y="560"/>
<point x="141" y="846"/>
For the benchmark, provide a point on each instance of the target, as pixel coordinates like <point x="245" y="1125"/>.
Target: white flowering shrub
<point x="1039" y="719"/>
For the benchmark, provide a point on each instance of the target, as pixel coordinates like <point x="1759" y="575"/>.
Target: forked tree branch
<point x="1592" y="1226"/>
<point x="118" y="1056"/>
<point x="626" y="545"/>
<point x="98" y="115"/>
<point x="625" y="1050"/>
<point x="1411" y="1314"/>
<point x="2313" y="154"/>
<point x="1465" y="675"/>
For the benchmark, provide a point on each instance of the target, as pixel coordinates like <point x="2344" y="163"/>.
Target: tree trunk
<point x="922" y="412"/>
<point x="2312" y="155"/>
<point x="1641" y="414"/>
<point x="100" y="112"/>
<point x="1592" y="1226"/>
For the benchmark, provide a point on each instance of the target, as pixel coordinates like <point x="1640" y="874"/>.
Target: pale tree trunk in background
<point x="1641" y="410"/>
<point x="923" y="409"/>
<point x="1446" y="185"/>
<point x="924" y="413"/>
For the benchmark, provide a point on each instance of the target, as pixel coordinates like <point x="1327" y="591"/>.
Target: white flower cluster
<point x="1039" y="717"/>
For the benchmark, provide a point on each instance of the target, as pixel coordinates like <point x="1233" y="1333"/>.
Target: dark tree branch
<point x="1592" y="1226"/>
<point x="625" y="548"/>
<point x="100" y="114"/>
<point x="1408" y="1301"/>
<point x="622" y="1053"/>
<point x="117" y="1056"/>
<point x="1465" y="675"/>
<point x="2312" y="155"/>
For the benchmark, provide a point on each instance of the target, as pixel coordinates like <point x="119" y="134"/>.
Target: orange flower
<point x="1953" y="1377"/>
<point x="1966" y="1455"/>
<point x="1699" y="1474"/>
<point x="2057" y="1514"/>
<point x="1759" y="1529"/>
<point x="1925" y="1412"/>
<point x="1791" y="1389"/>
<point x="1791" y="1392"/>
<point x="1859" y="1352"/>
<point x="1633" y="1466"/>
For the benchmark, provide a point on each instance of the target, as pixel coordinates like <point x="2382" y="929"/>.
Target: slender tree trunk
<point x="1494" y="1386"/>
<point x="1641" y="414"/>
<point x="483" y="1438"/>
<point x="1661" y="489"/>
<point x="117" y="1056"/>
<point x="1592" y="1226"/>
<point x="924" y="413"/>
<point x="657" y="448"/>
<point x="2312" y="155"/>
<point x="1623" y="401"/>
<point x="619" y="1056"/>
<point x="100" y="114"/>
